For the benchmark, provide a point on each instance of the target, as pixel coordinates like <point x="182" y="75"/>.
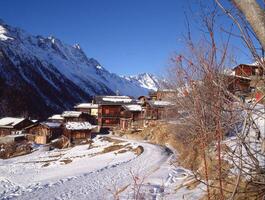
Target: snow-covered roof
<point x="71" y="114"/>
<point x="124" y="99"/>
<point x="79" y="126"/>
<point x="113" y="100"/>
<point x="133" y="107"/>
<point x="10" y="121"/>
<point x="160" y="103"/>
<point x="56" y="117"/>
<point x="86" y="105"/>
<point x="254" y="64"/>
<point x="52" y="124"/>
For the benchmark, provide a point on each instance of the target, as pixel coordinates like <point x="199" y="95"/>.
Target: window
<point x="107" y="111"/>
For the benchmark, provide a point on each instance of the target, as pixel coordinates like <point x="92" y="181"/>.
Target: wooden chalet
<point x="239" y="84"/>
<point x="165" y="94"/>
<point x="89" y="108"/>
<point x="156" y="110"/>
<point x="109" y="109"/>
<point x="44" y="132"/>
<point x="248" y="70"/>
<point x="12" y="125"/>
<point x="78" y="131"/>
<point x="131" y="117"/>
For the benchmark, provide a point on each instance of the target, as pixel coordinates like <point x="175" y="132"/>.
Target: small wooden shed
<point x="78" y="131"/>
<point x="156" y="110"/>
<point x="131" y="116"/>
<point x="45" y="132"/>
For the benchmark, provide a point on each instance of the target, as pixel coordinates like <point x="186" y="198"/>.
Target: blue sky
<point x="125" y="36"/>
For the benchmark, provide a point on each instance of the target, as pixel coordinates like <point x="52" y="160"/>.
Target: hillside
<point x="42" y="75"/>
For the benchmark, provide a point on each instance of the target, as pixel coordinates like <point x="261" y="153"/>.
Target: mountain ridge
<point x="42" y="75"/>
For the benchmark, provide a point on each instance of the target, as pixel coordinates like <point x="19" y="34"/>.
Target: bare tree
<point x="213" y="112"/>
<point x="255" y="15"/>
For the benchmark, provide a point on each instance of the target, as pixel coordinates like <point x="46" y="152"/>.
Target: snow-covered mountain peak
<point x="145" y="80"/>
<point x="4" y="34"/>
<point x="57" y="75"/>
<point x="77" y="46"/>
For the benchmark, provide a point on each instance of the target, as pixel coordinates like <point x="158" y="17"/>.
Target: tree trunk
<point x="255" y="16"/>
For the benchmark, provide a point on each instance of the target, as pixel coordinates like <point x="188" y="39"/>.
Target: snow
<point x="133" y="107"/>
<point x="86" y="105"/>
<point x="68" y="63"/>
<point x="56" y="117"/>
<point x="254" y="140"/>
<point x="98" y="67"/>
<point x="92" y="174"/>
<point x="52" y="124"/>
<point x="3" y="33"/>
<point x="161" y="103"/>
<point x="10" y="121"/>
<point x="124" y="99"/>
<point x="145" y="80"/>
<point x="79" y="126"/>
<point x="71" y="114"/>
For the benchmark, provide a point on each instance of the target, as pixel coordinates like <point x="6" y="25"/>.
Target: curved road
<point x="100" y="184"/>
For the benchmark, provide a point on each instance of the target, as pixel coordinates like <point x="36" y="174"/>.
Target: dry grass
<point x="66" y="161"/>
<point x="111" y="140"/>
<point x="112" y="148"/>
<point x="46" y="165"/>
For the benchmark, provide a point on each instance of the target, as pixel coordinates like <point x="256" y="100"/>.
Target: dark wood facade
<point x="248" y="70"/>
<point x="77" y="135"/>
<point x="131" y="119"/>
<point x="158" y="112"/>
<point x="109" y="109"/>
<point x="109" y="115"/>
<point x="239" y="84"/>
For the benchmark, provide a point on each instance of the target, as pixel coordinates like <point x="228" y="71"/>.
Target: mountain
<point x="145" y="80"/>
<point x="42" y="75"/>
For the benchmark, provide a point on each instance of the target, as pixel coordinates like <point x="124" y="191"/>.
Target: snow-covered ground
<point x="95" y="172"/>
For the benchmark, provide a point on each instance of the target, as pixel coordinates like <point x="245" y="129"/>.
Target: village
<point x="132" y="100"/>
<point x="113" y="113"/>
<point x="103" y="114"/>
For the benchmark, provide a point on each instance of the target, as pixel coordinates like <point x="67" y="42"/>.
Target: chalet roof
<point x="255" y="64"/>
<point x="10" y="122"/>
<point x="51" y="124"/>
<point x="113" y="100"/>
<point x="133" y="107"/>
<point x="71" y="114"/>
<point x="160" y="103"/>
<point x="56" y="117"/>
<point x="79" y="126"/>
<point x="86" y="105"/>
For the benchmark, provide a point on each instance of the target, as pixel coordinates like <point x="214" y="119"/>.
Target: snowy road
<point x="91" y="177"/>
